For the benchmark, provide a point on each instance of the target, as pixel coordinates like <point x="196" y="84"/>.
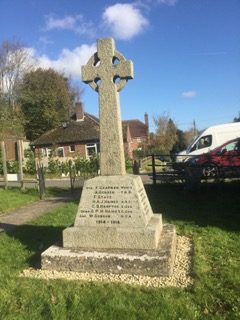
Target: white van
<point x="210" y="139"/>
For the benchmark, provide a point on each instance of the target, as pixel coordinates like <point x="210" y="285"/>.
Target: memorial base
<point x="114" y="238"/>
<point x="157" y="262"/>
<point x="115" y="231"/>
<point x="114" y="213"/>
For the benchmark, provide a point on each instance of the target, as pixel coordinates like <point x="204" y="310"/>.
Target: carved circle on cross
<point x="117" y="58"/>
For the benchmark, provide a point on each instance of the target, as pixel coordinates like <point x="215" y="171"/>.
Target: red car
<point x="223" y="161"/>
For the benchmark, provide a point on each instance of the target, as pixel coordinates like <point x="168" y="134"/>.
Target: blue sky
<point x="186" y="53"/>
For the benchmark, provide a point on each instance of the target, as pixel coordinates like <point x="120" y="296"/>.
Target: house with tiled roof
<point x="80" y="136"/>
<point x="138" y="133"/>
<point x="77" y="136"/>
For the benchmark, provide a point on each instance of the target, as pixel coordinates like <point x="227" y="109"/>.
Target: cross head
<point x="107" y="72"/>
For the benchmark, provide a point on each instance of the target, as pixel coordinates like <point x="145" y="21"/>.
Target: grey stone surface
<point x="114" y="212"/>
<point x="158" y="262"/>
<point x="107" y="72"/>
<point x="115" y="228"/>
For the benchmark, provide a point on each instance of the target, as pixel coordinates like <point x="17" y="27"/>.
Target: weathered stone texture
<point x="115" y="229"/>
<point x="102" y="75"/>
<point x="114" y="212"/>
<point x="158" y="262"/>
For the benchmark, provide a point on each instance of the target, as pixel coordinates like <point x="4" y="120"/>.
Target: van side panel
<point x="220" y="134"/>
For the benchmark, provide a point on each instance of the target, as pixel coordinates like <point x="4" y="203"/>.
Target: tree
<point x="15" y="61"/>
<point x="11" y="121"/>
<point x="166" y="133"/>
<point x="11" y="126"/>
<point x="237" y="119"/>
<point x="45" y="99"/>
<point x="190" y="135"/>
<point x="181" y="143"/>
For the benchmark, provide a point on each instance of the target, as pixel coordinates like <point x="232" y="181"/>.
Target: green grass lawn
<point x="147" y="165"/>
<point x="14" y="198"/>
<point x="210" y="216"/>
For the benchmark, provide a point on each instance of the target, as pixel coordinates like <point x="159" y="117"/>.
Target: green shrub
<point x="94" y="164"/>
<point x="12" y="166"/>
<point x="54" y="166"/>
<point x="80" y="164"/>
<point x="86" y="167"/>
<point x="30" y="166"/>
<point x="65" y="167"/>
<point x="128" y="164"/>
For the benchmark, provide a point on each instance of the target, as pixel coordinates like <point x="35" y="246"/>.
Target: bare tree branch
<point x="15" y="61"/>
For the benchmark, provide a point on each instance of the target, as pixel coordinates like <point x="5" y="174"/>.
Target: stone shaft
<point x="108" y="78"/>
<point x="115" y="229"/>
<point x="112" y="160"/>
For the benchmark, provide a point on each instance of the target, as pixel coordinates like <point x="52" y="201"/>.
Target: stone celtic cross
<point x="107" y="72"/>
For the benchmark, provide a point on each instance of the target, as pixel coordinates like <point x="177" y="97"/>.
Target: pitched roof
<point x="137" y="128"/>
<point x="12" y="136"/>
<point x="86" y="130"/>
<point x="71" y="131"/>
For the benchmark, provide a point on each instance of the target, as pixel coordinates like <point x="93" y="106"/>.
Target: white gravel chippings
<point x="181" y="276"/>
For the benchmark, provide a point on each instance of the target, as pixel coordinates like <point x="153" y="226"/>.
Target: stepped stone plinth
<point x="115" y="229"/>
<point x="114" y="212"/>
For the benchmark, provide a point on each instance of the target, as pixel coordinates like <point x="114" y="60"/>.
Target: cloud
<point x="189" y="94"/>
<point x="124" y="20"/>
<point x="67" y="22"/>
<point x="69" y="62"/>
<point x="44" y="42"/>
<point x="76" y="23"/>
<point x="168" y="2"/>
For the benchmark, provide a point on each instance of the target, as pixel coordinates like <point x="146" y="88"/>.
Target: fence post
<point x="41" y="181"/>
<point x="20" y="163"/>
<point x="71" y="175"/>
<point x="97" y="166"/>
<point x="135" y="167"/>
<point x="153" y="169"/>
<point x="4" y="160"/>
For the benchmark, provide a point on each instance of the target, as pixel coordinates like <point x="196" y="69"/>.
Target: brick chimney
<point x="146" y="119"/>
<point x="79" y="111"/>
<point x="147" y="125"/>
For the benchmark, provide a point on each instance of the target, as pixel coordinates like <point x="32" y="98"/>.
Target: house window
<point x="91" y="149"/>
<point x="72" y="148"/>
<point x="46" y="152"/>
<point x="60" y="152"/>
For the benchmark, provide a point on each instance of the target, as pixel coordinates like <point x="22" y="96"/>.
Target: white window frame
<point x="44" y="152"/>
<point x="72" y="145"/>
<point x="58" y="149"/>
<point x="88" y="146"/>
<point x="48" y="152"/>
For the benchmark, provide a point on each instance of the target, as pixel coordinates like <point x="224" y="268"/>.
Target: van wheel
<point x="210" y="170"/>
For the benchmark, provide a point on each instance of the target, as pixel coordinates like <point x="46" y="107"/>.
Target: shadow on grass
<point x="37" y="239"/>
<point x="210" y="205"/>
